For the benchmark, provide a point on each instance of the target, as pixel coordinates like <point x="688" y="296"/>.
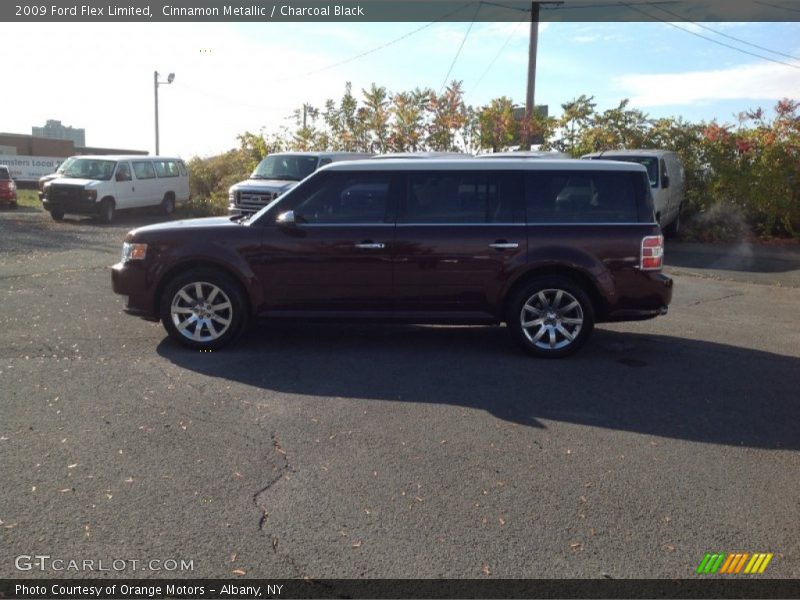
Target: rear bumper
<point x="652" y="297"/>
<point x="130" y="280"/>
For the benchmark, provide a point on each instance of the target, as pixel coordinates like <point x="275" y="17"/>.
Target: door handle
<point x="503" y="245"/>
<point x="370" y="246"/>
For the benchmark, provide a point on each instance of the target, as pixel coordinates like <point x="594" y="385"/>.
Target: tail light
<point x="652" y="253"/>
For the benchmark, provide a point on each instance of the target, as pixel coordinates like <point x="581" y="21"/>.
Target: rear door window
<point x="459" y="197"/>
<point x="143" y="169"/>
<point x="584" y="197"/>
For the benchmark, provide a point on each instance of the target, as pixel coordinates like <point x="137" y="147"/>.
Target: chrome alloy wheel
<point x="201" y="311"/>
<point x="551" y="319"/>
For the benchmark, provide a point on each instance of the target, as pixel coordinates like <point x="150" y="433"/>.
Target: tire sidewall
<point x="168" y="205"/>
<point x="545" y="283"/>
<point x="227" y="284"/>
<point x="106" y="212"/>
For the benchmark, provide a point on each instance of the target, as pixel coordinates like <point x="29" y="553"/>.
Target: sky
<point x="236" y="77"/>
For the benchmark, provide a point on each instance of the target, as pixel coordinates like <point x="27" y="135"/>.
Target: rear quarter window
<point x="166" y="168"/>
<point x="587" y="197"/>
<point x="143" y="169"/>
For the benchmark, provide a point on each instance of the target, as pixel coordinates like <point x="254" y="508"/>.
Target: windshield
<point x="65" y="165"/>
<point x="289" y="167"/>
<point x="90" y="168"/>
<point x="649" y="162"/>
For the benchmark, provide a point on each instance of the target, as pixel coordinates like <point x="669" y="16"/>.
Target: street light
<point x="156" y="83"/>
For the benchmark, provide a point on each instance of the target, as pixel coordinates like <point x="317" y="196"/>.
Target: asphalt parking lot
<point x="395" y="451"/>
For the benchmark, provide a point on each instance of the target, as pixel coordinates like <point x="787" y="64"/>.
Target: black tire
<point x="168" y="204"/>
<point x="556" y="315"/>
<point x="14" y="204"/>
<point x="674" y="228"/>
<point x="105" y="213"/>
<point x="187" y="327"/>
<point x="58" y="215"/>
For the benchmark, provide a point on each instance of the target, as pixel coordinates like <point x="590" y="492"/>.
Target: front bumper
<point x="83" y="206"/>
<point x="238" y="211"/>
<point x="130" y="279"/>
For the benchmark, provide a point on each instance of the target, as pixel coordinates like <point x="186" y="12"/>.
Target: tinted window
<point x="143" y="169"/>
<point x="4" y="174"/>
<point x="583" y="197"/>
<point x="181" y="168"/>
<point x="458" y="197"/>
<point x="346" y="198"/>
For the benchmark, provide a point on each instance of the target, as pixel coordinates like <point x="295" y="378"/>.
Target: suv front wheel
<point x="551" y="317"/>
<point x="203" y="309"/>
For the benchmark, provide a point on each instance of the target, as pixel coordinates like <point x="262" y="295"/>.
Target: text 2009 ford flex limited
<point x="548" y="247"/>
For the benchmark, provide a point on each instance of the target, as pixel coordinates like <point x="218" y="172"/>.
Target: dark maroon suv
<point x="548" y="247"/>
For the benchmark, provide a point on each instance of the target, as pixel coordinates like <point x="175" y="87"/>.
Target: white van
<point x="101" y="185"/>
<point x="667" y="181"/>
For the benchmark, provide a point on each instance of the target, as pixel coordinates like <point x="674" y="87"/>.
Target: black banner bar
<point x="148" y="11"/>
<point x="241" y="589"/>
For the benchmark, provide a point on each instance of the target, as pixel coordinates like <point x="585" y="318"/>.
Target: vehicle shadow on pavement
<point x="743" y="256"/>
<point x="650" y="384"/>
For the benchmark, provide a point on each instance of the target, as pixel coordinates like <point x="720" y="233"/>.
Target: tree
<point x="449" y="115"/>
<point x="498" y="127"/>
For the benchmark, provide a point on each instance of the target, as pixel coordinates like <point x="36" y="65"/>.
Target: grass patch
<point x="29" y="199"/>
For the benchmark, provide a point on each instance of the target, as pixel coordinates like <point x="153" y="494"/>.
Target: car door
<point x="124" y="186"/>
<point x="459" y="235"/>
<point x="336" y="255"/>
<point x="145" y="182"/>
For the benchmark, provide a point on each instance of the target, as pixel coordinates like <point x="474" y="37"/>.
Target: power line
<point x="712" y="40"/>
<point x="731" y="37"/>
<point x="386" y="45"/>
<point x="458" y="53"/>
<point x="499" y="52"/>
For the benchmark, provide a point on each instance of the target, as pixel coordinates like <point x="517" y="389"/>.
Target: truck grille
<point x="68" y="197"/>
<point x="254" y="200"/>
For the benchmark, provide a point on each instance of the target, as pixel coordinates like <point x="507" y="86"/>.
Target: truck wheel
<point x="106" y="211"/>
<point x="551" y="317"/>
<point x="168" y="204"/>
<point x="674" y="228"/>
<point x="57" y="214"/>
<point x="203" y="309"/>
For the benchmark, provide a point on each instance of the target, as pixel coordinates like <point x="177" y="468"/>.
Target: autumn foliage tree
<point x="749" y="169"/>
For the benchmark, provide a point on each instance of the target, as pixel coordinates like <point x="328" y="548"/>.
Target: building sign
<point x="30" y="168"/>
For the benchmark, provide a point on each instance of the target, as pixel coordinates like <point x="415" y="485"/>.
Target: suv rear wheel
<point x="203" y="309"/>
<point x="551" y="317"/>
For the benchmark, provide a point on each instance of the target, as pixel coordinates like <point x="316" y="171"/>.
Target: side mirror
<point x="286" y="218"/>
<point x="665" y="181"/>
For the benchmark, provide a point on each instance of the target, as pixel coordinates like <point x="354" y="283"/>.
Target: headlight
<point x="232" y="197"/>
<point x="91" y="194"/>
<point x="133" y="251"/>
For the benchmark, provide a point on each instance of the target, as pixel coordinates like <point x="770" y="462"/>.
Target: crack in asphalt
<point x="282" y="470"/>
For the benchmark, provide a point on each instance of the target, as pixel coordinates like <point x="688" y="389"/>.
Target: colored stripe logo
<point x="734" y="564"/>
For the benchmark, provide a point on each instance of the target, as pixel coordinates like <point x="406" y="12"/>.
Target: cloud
<point x="746" y="82"/>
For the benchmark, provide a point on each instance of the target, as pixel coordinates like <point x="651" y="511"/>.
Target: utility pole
<point x="530" y="105"/>
<point x="532" y="47"/>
